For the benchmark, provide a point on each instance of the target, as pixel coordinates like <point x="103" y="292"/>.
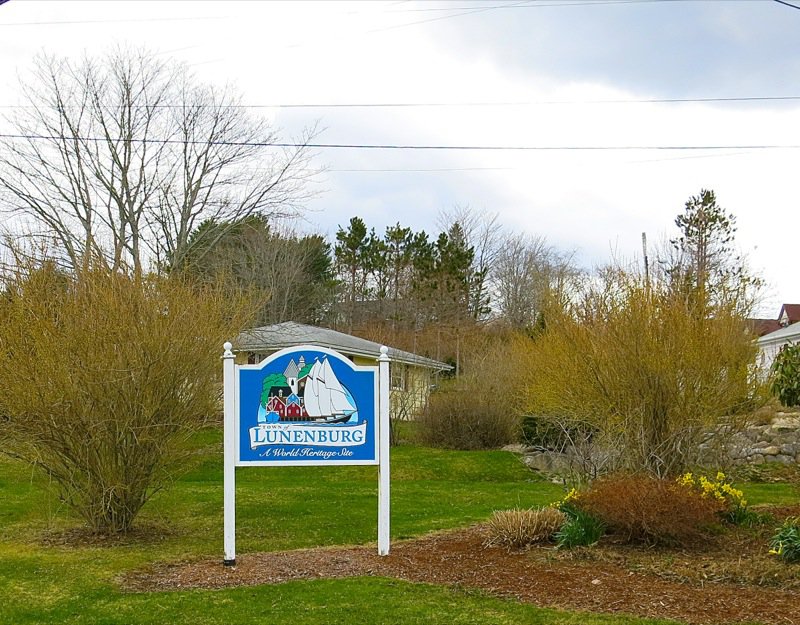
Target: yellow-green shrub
<point x="103" y="378"/>
<point x="645" y="370"/>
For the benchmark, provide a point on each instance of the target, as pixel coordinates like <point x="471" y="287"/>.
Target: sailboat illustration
<point x="324" y="397"/>
<point x="306" y="405"/>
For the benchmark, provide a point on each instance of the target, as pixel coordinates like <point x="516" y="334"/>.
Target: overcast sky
<point x="562" y="74"/>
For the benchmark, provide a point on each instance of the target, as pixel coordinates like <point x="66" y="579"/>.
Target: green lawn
<point x="277" y="508"/>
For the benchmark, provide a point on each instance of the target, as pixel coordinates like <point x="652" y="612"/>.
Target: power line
<point x="465" y="10"/>
<point x="523" y="4"/>
<point x="535" y="4"/>
<point x="331" y="105"/>
<point x="436" y="169"/>
<point x="788" y="4"/>
<point x="396" y="146"/>
<point x="114" y="21"/>
<point x="448" y="17"/>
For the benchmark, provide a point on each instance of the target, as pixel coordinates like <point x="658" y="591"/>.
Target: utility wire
<point x="435" y="169"/>
<point x="465" y="10"/>
<point x="788" y="4"/>
<point x="448" y="17"/>
<point x="321" y="105"/>
<point x="113" y="21"/>
<point x="535" y="4"/>
<point x="395" y="146"/>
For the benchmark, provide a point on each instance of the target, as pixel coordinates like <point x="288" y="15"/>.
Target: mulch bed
<point x="610" y="580"/>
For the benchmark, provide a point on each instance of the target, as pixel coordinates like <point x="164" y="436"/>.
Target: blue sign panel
<point x="307" y="405"/>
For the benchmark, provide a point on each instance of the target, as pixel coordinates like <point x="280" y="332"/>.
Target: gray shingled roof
<point x="789" y="333"/>
<point x="290" y="334"/>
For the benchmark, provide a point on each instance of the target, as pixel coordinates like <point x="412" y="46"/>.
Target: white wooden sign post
<point x="305" y="405"/>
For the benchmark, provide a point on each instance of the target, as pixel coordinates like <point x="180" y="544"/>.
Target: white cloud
<point x="342" y="52"/>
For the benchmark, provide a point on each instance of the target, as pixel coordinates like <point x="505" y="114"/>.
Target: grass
<point x="277" y="508"/>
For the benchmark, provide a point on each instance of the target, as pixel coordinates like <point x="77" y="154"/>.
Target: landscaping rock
<point x="547" y="461"/>
<point x="786" y="424"/>
<point x="778" y="441"/>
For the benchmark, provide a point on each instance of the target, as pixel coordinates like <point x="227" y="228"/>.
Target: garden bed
<point x="730" y="579"/>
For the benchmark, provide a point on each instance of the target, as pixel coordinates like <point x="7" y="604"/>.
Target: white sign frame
<point x="231" y="443"/>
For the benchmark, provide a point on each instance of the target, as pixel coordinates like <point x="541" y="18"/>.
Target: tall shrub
<point x="480" y="408"/>
<point x="104" y="377"/>
<point x="647" y="372"/>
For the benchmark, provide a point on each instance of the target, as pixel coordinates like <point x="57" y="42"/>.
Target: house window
<point x="399" y="377"/>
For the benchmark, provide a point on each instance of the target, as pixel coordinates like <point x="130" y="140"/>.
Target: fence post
<point x="383" y="452"/>
<point x="229" y="447"/>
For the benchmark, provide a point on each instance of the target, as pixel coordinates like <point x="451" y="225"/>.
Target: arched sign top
<point x="308" y="348"/>
<point x="307" y="405"/>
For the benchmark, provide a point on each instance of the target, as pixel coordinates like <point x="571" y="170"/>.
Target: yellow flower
<point x="687" y="479"/>
<point x="572" y="495"/>
<point x="720" y="476"/>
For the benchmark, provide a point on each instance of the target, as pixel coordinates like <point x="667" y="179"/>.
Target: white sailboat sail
<point x="311" y="393"/>
<point x="324" y="395"/>
<point x="338" y="398"/>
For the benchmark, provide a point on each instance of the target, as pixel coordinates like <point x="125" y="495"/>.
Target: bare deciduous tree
<point x="293" y="273"/>
<point x="122" y="158"/>
<point x="483" y="233"/>
<point x="526" y="272"/>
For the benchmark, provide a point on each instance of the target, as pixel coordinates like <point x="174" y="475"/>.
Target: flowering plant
<point x="568" y="503"/>
<point x="720" y="489"/>
<point x="786" y="542"/>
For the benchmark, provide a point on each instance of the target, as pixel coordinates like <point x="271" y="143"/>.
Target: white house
<point x="411" y="374"/>
<point x="770" y="344"/>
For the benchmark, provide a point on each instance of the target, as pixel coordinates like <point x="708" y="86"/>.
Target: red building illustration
<point x="295" y="411"/>
<point x="277" y="405"/>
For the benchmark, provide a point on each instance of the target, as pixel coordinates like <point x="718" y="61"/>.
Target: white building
<point x="770" y="344"/>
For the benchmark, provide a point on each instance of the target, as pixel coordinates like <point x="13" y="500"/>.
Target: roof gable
<point x="790" y="313"/>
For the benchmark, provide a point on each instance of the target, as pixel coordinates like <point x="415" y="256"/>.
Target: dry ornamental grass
<point x="520" y="528"/>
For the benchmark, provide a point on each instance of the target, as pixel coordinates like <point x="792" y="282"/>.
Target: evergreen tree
<point x="351" y="254"/>
<point x="399" y="258"/>
<point x="705" y="265"/>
